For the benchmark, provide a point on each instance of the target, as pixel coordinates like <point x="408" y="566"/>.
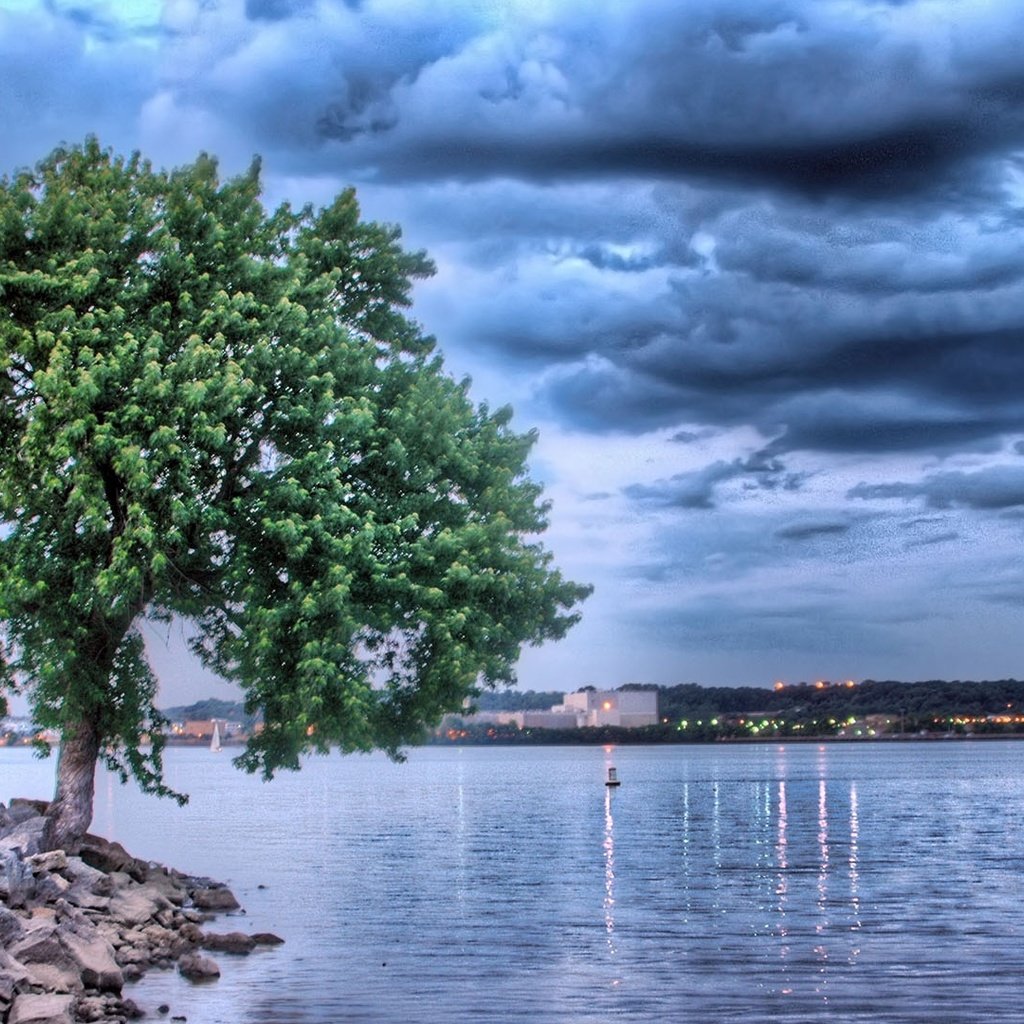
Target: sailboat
<point x="215" y="742"/>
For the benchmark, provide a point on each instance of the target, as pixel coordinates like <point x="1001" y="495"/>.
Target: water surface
<point x="796" y="883"/>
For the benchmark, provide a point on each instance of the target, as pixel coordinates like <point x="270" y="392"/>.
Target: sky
<point x="753" y="268"/>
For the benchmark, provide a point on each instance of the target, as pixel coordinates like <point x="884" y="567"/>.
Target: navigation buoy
<point x="613" y="778"/>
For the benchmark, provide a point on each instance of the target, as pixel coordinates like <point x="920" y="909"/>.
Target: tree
<point x="222" y="414"/>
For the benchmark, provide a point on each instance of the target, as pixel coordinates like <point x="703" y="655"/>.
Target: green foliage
<point x="218" y="413"/>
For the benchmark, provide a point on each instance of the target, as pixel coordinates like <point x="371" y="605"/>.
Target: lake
<point x="878" y="882"/>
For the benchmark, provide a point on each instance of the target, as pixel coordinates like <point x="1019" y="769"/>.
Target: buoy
<point x="613" y="778"/>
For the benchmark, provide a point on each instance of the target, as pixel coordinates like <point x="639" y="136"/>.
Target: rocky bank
<point x="75" y="925"/>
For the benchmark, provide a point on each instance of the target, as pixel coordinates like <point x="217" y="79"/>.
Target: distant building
<point x="202" y="728"/>
<point x="553" y="719"/>
<point x="626" y="708"/>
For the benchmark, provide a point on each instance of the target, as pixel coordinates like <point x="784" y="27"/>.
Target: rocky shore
<point x="75" y="925"/>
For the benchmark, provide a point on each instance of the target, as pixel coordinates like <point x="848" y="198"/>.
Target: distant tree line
<point x="690" y="712"/>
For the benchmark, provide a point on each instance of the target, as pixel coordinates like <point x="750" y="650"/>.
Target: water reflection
<point x="608" y="847"/>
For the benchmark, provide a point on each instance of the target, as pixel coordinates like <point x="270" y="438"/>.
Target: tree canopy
<point x="212" y="411"/>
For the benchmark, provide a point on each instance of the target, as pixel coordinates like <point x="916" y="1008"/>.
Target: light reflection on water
<point x="782" y="884"/>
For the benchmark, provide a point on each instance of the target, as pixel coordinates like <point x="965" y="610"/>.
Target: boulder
<point x="108" y="856"/>
<point x="267" y="939"/>
<point x="52" y="860"/>
<point x="11" y="928"/>
<point x="229" y="942"/>
<point x="6" y="993"/>
<point x="162" y="880"/>
<point x="45" y="959"/>
<point x="41" y="1009"/>
<point x="22" y="808"/>
<point x="215" y="898"/>
<point x="77" y="872"/>
<point x="17" y="883"/>
<point x="138" y="905"/>
<point x="26" y="835"/>
<point x="50" y="888"/>
<point x="198" y="968"/>
<point x="95" y="961"/>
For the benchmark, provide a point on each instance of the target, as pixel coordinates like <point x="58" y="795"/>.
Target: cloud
<point x="755" y="266"/>
<point x="991" y="489"/>
<point x="810" y="530"/>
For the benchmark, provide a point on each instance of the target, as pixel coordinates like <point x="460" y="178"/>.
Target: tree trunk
<point x="71" y="810"/>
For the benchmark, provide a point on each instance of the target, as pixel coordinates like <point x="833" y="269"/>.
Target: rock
<point x="39" y="945"/>
<point x="267" y="939"/>
<point x="17" y="883"/>
<point x="198" y="968"/>
<point x="95" y="961"/>
<point x="41" y="1009"/>
<point x="80" y="896"/>
<point x="130" y="1009"/>
<point x="10" y="968"/>
<point x="50" y="888"/>
<point x="217" y="898"/>
<point x="166" y="883"/>
<point x="22" y="808"/>
<point x="45" y="960"/>
<point x="53" y="860"/>
<point x="11" y="928"/>
<point x="107" y="857"/>
<point x="229" y="942"/>
<point x="26" y="835"/>
<point x="90" y="1008"/>
<point x="6" y="994"/>
<point x="138" y="904"/>
<point x="77" y="872"/>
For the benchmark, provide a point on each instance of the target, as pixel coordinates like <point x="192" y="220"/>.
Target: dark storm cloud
<point x="812" y="530"/>
<point x="696" y="489"/>
<point x="790" y="96"/>
<point x="991" y="489"/>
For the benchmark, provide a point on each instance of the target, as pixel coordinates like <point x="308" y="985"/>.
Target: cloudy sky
<point x="755" y="268"/>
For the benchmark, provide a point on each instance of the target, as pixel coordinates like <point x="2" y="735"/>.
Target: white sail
<point x="215" y="742"/>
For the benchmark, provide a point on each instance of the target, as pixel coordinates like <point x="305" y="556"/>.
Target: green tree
<point x="218" y="413"/>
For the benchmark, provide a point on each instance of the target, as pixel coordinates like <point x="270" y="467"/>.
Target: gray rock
<point x="217" y="898"/>
<point x="78" y="872"/>
<point x="138" y="905"/>
<point x="50" y="888"/>
<point x="52" y="860"/>
<point x="229" y="942"/>
<point x="6" y="993"/>
<point x="61" y="977"/>
<point x="11" y="928"/>
<point x="198" y="968"/>
<point x="40" y="944"/>
<point x="45" y="959"/>
<point x="22" y="808"/>
<point x="80" y="896"/>
<point x="26" y="834"/>
<point x="107" y="856"/>
<point x="17" y="883"/>
<point x="95" y="961"/>
<point x="41" y="1009"/>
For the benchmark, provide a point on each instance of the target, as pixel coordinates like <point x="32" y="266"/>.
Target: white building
<point x="626" y="708"/>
